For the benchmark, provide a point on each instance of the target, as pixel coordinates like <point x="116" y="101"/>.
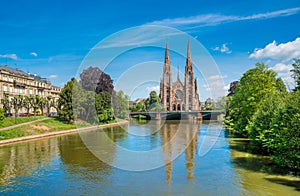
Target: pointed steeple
<point x="188" y="56"/>
<point x="167" y="57"/>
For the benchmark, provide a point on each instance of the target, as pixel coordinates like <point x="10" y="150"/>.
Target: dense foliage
<point x="254" y="87"/>
<point x="121" y="105"/>
<point x="264" y="111"/>
<point x="65" y="101"/>
<point x="153" y="102"/>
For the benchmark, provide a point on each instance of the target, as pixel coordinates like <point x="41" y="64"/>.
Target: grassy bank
<point x="45" y="126"/>
<point x="18" y="120"/>
<point x="49" y="125"/>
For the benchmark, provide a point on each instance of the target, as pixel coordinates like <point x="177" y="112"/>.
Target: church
<point x="179" y="96"/>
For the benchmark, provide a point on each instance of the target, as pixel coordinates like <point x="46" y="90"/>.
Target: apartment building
<point x="14" y="81"/>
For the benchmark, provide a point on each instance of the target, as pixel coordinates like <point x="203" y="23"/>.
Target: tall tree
<point x="70" y="101"/>
<point x="93" y="79"/>
<point x="34" y="103"/>
<point x="6" y="104"/>
<point x="254" y="87"/>
<point x="42" y="102"/>
<point x="48" y="104"/>
<point x="17" y="103"/>
<point x="89" y="78"/>
<point x="103" y="104"/>
<point x="121" y="105"/>
<point x="26" y="104"/>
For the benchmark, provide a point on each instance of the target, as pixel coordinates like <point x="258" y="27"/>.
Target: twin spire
<point x="188" y="58"/>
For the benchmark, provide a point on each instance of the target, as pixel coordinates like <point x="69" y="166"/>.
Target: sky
<point x="54" y="38"/>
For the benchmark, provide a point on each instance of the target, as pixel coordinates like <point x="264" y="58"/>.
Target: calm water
<point x="65" y="166"/>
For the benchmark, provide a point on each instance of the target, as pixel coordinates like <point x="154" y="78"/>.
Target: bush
<point x="259" y="128"/>
<point x="286" y="127"/>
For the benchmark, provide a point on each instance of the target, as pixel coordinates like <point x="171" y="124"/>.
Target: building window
<point x="30" y="91"/>
<point x="4" y="88"/>
<point x="16" y="90"/>
<point x="21" y="91"/>
<point x="10" y="89"/>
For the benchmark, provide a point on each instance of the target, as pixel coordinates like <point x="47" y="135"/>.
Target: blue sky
<point x="52" y="38"/>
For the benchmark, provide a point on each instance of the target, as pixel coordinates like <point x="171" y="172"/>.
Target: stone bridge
<point x="196" y="115"/>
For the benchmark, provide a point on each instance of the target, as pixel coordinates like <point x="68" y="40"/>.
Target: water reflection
<point x="24" y="159"/>
<point x="65" y="165"/>
<point x="186" y="141"/>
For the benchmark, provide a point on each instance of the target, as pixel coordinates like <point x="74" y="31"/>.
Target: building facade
<point x="179" y="96"/>
<point x="14" y="81"/>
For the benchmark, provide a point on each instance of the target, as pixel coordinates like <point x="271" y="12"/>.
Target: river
<point x="149" y="158"/>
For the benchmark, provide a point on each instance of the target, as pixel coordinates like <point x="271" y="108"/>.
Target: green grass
<point x="52" y="124"/>
<point x="18" y="120"/>
<point x="48" y="125"/>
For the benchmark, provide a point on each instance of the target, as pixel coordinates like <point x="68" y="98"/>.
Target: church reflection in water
<point x="178" y="139"/>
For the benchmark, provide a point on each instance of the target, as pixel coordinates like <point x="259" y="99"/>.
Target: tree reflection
<point x="25" y="158"/>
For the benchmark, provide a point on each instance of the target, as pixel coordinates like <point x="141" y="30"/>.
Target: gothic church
<point x="176" y="96"/>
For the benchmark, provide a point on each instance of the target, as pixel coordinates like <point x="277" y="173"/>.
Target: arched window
<point x="174" y="107"/>
<point x="178" y="107"/>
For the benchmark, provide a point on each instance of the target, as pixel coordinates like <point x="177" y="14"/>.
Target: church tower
<point x="176" y="96"/>
<point x="189" y="81"/>
<point x="166" y="87"/>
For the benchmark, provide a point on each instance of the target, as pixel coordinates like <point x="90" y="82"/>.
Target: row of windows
<point x="24" y="81"/>
<point x="22" y="91"/>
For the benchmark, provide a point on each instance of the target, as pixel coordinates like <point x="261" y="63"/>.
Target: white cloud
<point x="216" y="19"/>
<point x="215" y="85"/>
<point x="53" y="76"/>
<point x="34" y="54"/>
<point x="284" y="73"/>
<point x="9" y="56"/>
<point x="216" y="77"/>
<point x="153" y="88"/>
<point x="224" y="49"/>
<point x="283" y="52"/>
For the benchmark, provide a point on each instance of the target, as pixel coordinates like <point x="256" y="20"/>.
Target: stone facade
<point x="17" y="82"/>
<point x="179" y="96"/>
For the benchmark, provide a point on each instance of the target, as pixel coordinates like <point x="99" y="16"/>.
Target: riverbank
<point x="59" y="132"/>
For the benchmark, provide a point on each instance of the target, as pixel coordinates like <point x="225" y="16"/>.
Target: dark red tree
<point x="93" y="79"/>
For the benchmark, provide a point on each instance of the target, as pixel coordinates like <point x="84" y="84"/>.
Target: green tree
<point x="260" y="128"/>
<point x="285" y="130"/>
<point x="254" y="87"/>
<point x="6" y="104"/>
<point x="139" y="107"/>
<point x="48" y="104"/>
<point x="89" y="102"/>
<point x="17" y="103"/>
<point x="70" y="101"/>
<point x="26" y="104"/>
<point x="103" y="104"/>
<point x="121" y="107"/>
<point x="42" y="102"/>
<point x="296" y="73"/>
<point x="34" y="103"/>
<point x="153" y="102"/>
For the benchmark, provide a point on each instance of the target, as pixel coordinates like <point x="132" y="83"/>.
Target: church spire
<point x="188" y="56"/>
<point x="167" y="57"/>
